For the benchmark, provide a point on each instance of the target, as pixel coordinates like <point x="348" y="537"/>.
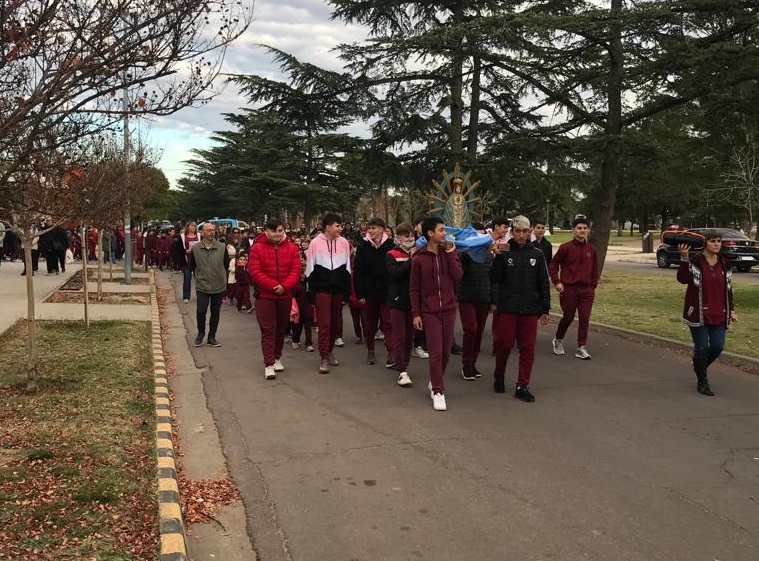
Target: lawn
<point x="77" y="465"/>
<point x="654" y="304"/>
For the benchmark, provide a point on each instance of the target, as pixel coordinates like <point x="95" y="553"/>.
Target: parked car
<point x="742" y="251"/>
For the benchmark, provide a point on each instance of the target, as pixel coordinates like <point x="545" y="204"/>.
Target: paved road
<point x="618" y="459"/>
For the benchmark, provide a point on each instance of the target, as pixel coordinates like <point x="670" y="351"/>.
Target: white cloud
<point x="299" y="27"/>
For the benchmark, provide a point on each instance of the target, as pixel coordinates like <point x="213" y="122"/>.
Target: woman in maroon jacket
<point x="708" y="308"/>
<point x="435" y="272"/>
<point x="274" y="267"/>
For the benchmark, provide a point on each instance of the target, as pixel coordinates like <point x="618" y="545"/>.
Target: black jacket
<point x="521" y="276"/>
<point x="475" y="284"/>
<point x="545" y="246"/>
<point x="370" y="278"/>
<point x="399" y="273"/>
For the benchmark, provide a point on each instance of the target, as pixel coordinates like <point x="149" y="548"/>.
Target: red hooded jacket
<point x="271" y="265"/>
<point x="434" y="279"/>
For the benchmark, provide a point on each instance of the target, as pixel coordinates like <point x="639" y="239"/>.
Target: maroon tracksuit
<point x="434" y="276"/>
<point x="242" y="288"/>
<point x="575" y="266"/>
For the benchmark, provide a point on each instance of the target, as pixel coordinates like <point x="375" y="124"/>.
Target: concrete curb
<point x="171" y="525"/>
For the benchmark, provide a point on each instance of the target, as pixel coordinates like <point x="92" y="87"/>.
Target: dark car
<point x="742" y="251"/>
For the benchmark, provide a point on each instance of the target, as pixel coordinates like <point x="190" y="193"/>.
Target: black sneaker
<point x="499" y="386"/>
<point x="477" y="373"/>
<point x="467" y="372"/>
<point x="524" y="394"/>
<point x="390" y="362"/>
<point x="370" y="359"/>
<point x="455" y="349"/>
<point x="213" y="342"/>
<point x="198" y="341"/>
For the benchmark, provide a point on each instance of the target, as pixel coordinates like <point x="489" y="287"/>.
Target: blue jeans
<point x="708" y="342"/>
<point x="204" y="299"/>
<point x="186" y="284"/>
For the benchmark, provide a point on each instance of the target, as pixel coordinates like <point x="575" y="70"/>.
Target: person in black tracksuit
<point x="522" y="294"/>
<point x="370" y="283"/>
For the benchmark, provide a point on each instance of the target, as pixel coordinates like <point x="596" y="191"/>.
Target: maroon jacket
<point x="691" y="273"/>
<point x="270" y="265"/>
<point x="434" y="280"/>
<point x="578" y="264"/>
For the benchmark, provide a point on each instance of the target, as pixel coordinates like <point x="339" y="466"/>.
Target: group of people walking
<point x="417" y="282"/>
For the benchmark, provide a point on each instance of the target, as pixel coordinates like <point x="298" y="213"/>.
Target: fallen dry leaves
<point x="201" y="498"/>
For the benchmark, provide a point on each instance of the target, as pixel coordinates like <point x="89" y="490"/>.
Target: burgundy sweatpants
<point x="522" y="329"/>
<point x="438" y="329"/>
<point x="241" y="293"/>
<point x="474" y="316"/>
<point x="402" y="323"/>
<point x="579" y="300"/>
<point x="374" y="311"/>
<point x="329" y="313"/>
<point x="273" y="317"/>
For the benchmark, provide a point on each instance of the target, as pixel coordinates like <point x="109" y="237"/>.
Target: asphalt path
<point x="619" y="458"/>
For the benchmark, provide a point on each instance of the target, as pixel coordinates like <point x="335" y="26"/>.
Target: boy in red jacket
<point x="435" y="272"/>
<point x="275" y="267"/>
<point x="574" y="273"/>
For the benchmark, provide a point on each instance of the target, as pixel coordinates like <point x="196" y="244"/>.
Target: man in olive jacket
<point x="209" y="261"/>
<point x="523" y="298"/>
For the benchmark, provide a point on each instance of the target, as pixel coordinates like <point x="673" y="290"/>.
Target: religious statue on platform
<point x="455" y="194"/>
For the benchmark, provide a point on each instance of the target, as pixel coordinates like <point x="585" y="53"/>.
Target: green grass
<point x="654" y="304"/>
<point x="77" y="468"/>
<point x="562" y="236"/>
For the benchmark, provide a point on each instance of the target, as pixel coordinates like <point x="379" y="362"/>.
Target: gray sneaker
<point x="558" y="346"/>
<point x="198" y="341"/>
<point x="213" y="342"/>
<point x="582" y="353"/>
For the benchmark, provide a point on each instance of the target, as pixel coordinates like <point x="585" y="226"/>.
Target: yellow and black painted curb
<point x="171" y="526"/>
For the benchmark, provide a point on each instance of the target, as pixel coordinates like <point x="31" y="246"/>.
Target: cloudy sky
<point x="300" y="27"/>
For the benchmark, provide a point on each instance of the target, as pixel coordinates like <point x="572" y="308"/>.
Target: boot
<point x="702" y="385"/>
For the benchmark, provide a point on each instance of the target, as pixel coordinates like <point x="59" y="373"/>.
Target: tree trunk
<point x="610" y="165"/>
<point x="457" y="87"/>
<point x="84" y="275"/>
<point x="110" y="256"/>
<point x="99" y="256"/>
<point x="31" y="339"/>
<point x="474" y="113"/>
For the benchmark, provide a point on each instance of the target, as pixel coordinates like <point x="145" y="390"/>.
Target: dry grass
<point x="77" y="468"/>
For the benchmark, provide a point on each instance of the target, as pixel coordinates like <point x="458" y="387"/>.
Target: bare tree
<point x="65" y="69"/>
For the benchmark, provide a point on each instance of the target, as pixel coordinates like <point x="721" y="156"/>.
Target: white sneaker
<point x="558" y="346"/>
<point x="278" y="366"/>
<point x="269" y="373"/>
<point x="186" y="300"/>
<point x="419" y="352"/>
<point x="339" y="342"/>
<point x="429" y="387"/>
<point x="296" y="346"/>
<point x="582" y="353"/>
<point x="404" y="380"/>
<point x="379" y="336"/>
<point x="438" y="402"/>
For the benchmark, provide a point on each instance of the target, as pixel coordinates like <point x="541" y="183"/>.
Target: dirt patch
<point x="61" y="297"/>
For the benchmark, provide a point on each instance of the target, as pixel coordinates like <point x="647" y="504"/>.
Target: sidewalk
<point x="13" y="300"/>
